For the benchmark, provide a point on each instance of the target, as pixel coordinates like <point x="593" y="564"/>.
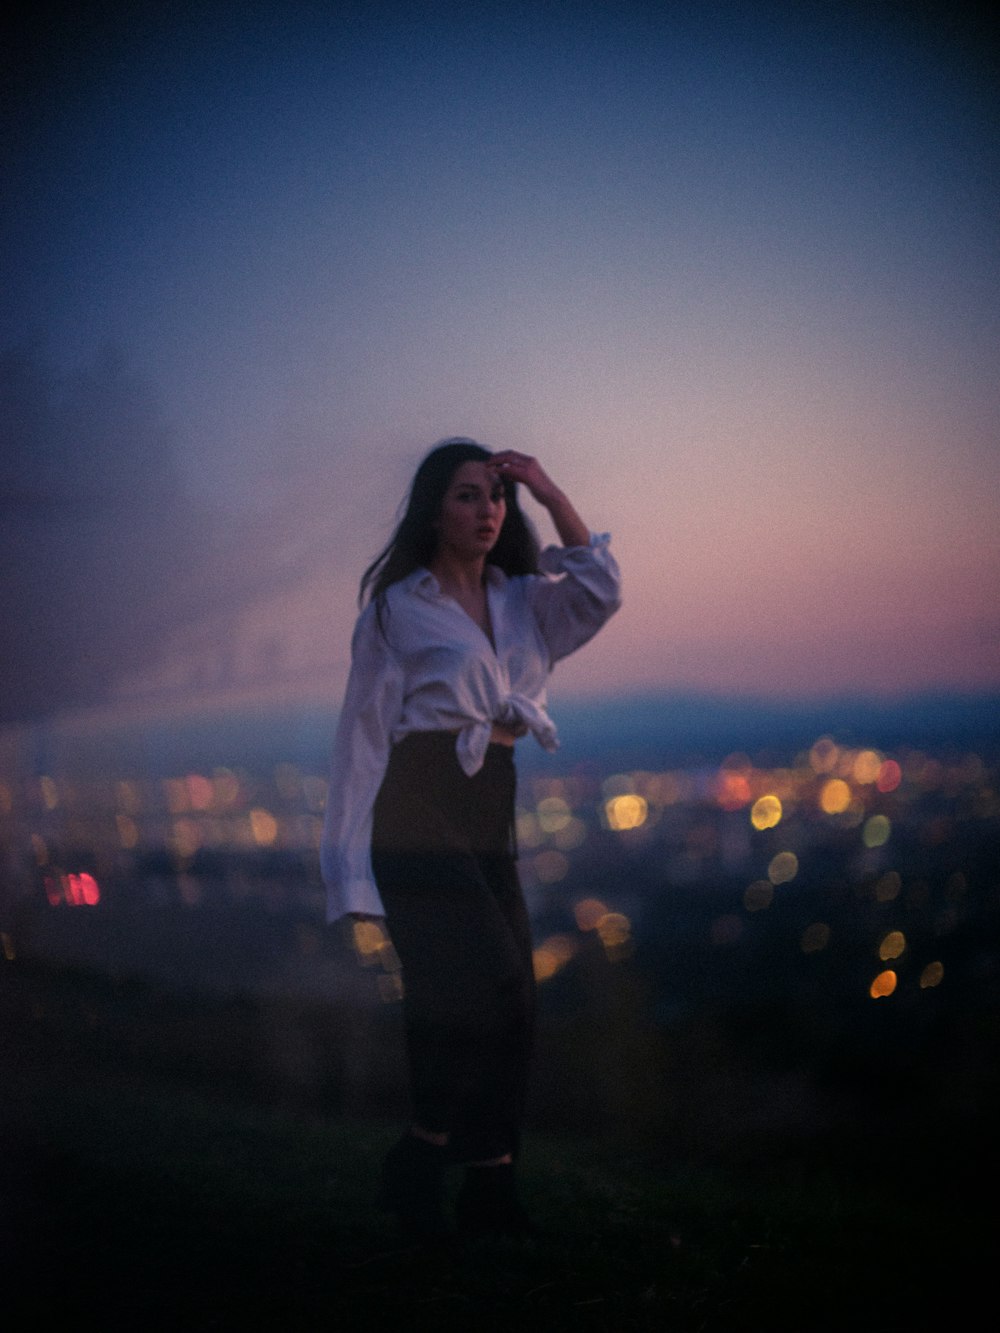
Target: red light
<point x="890" y="775"/>
<point x="77" y="890"/>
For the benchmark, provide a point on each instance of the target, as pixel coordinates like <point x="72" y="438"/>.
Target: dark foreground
<point x="134" y="1197"/>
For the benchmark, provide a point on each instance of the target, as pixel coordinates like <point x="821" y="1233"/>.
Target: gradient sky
<point x="731" y="272"/>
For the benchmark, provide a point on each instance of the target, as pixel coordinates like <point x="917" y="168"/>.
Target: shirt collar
<point x="423" y="581"/>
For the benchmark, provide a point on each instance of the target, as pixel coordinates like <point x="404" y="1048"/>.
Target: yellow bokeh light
<point x="553" y="814"/>
<point x="49" y="792"/>
<point x="627" y="811"/>
<point x="892" y="946"/>
<point x="529" y="833"/>
<point x="867" y="766"/>
<point x="758" y="895"/>
<point x="186" y="837"/>
<point x="368" y="937"/>
<point x="932" y="975"/>
<point x="876" y="831"/>
<point x="884" y="984"/>
<point x="264" y="827"/>
<point x="783" y="867"/>
<point x="766" y="812"/>
<point x="834" y="796"/>
<point x="815" y="937"/>
<point x="614" y="928"/>
<point x="551" y="955"/>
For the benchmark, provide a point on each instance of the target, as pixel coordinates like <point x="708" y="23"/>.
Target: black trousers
<point x="444" y="860"/>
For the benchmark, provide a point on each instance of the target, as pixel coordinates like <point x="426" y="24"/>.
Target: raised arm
<point x="523" y="468"/>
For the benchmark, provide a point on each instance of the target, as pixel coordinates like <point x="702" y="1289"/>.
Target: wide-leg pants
<point x="444" y="860"/>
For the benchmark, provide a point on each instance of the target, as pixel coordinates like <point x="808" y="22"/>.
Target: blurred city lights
<point x="890" y="775"/>
<point x="615" y="932"/>
<point x="931" y="976"/>
<point x="173" y="830"/>
<point x="588" y="912"/>
<point x="783" y="867"/>
<point x="876" y="831"/>
<point x="766" y="812"/>
<point x="834" y="796"/>
<point x="893" y="945"/>
<point x="73" y="890"/>
<point x="264" y="827"/>
<point x="627" y="811"/>
<point x="552" y="955"/>
<point x="867" y="767"/>
<point x="552" y="814"/>
<point x="884" y="984"/>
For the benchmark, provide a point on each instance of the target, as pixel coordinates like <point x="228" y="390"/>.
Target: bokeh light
<point x="932" y="975"/>
<point x="883" y="985"/>
<point x="834" y="796"/>
<point x="783" y="867"/>
<point x="892" y="945"/>
<point x="877" y="831"/>
<point x="627" y="811"/>
<point x="766" y="812"/>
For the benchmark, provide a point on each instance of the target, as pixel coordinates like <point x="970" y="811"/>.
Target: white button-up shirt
<point x="430" y="667"/>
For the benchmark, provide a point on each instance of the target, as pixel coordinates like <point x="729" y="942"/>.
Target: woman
<point x="450" y="656"/>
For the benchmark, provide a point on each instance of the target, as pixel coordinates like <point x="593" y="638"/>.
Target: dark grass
<point x="141" y="1200"/>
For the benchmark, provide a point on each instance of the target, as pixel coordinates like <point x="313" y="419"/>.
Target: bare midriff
<point x="499" y="735"/>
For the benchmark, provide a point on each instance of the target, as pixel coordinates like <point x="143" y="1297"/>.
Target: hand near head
<point x="527" y="470"/>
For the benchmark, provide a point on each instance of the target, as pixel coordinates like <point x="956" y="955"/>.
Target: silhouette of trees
<point x="96" y="531"/>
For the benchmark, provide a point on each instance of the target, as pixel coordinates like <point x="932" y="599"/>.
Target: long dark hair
<point x="414" y="542"/>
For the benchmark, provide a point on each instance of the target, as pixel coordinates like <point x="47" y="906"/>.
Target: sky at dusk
<point x="730" y="272"/>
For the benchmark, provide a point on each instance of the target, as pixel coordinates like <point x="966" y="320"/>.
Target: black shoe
<point x="413" y="1188"/>
<point x="487" y="1204"/>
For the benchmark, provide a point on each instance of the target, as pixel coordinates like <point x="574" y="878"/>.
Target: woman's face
<point x="472" y="512"/>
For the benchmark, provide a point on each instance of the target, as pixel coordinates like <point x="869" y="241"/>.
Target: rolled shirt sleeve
<point x="372" y="706"/>
<point x="582" y="594"/>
